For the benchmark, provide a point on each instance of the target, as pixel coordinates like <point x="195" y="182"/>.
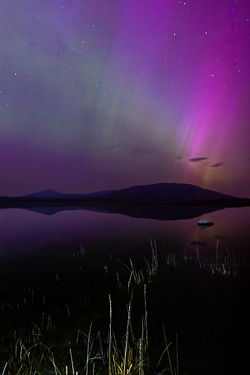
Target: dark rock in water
<point x="203" y="223"/>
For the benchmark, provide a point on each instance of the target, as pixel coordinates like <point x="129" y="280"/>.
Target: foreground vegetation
<point x="88" y="317"/>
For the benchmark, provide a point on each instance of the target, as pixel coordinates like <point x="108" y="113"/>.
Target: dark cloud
<point x="216" y="165"/>
<point x="132" y="149"/>
<point x="194" y="160"/>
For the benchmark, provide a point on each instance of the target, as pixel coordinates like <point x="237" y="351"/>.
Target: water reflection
<point x="21" y="228"/>
<point x="191" y="301"/>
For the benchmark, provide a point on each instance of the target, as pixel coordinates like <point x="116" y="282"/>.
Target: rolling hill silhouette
<point x="162" y="192"/>
<point x="162" y="201"/>
<point x="53" y="194"/>
<point x="165" y="192"/>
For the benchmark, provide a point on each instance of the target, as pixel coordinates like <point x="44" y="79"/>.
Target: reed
<point x="171" y="369"/>
<point x="135" y="278"/>
<point x="227" y="266"/>
<point x="134" y="357"/>
<point x="152" y="267"/>
<point x="129" y="354"/>
<point x="110" y="333"/>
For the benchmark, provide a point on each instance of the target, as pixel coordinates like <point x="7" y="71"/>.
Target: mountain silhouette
<point x="161" y="192"/>
<point x="165" y="192"/>
<point x="53" y="194"/>
<point x="162" y="201"/>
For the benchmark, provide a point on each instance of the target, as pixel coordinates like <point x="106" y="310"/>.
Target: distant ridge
<point x="49" y="193"/>
<point x="162" y="201"/>
<point x="161" y="192"/>
<point x="53" y="194"/>
<point x="166" y="192"/>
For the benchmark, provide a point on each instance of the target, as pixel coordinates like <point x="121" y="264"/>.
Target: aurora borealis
<point x="107" y="94"/>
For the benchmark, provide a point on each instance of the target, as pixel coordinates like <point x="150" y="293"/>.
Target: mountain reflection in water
<point x="155" y="212"/>
<point x="128" y="228"/>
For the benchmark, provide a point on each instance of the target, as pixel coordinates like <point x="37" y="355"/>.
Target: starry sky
<point x="106" y="94"/>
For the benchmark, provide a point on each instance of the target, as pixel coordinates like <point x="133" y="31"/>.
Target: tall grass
<point x="152" y="267"/>
<point x="130" y="359"/>
<point x="128" y="355"/>
<point x="137" y="277"/>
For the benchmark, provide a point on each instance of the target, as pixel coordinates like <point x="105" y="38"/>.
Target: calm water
<point x="32" y="243"/>
<point x="23" y="231"/>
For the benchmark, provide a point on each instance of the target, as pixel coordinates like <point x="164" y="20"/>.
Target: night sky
<point x="99" y="95"/>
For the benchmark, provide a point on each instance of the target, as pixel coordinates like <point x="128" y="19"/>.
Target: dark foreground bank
<point x="74" y="311"/>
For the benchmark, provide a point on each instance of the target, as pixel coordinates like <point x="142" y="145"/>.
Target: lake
<point x="23" y="231"/>
<point x="49" y="282"/>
